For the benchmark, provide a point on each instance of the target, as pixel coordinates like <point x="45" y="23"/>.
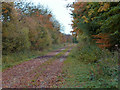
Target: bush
<point x="86" y="73"/>
<point x="107" y="68"/>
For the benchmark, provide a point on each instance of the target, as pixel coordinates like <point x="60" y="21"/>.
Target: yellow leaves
<point x="101" y="3"/>
<point x="88" y="6"/>
<point x="73" y="18"/>
<point x="93" y="18"/>
<point x="5" y="34"/>
<point x="85" y="19"/>
<point x="100" y="9"/>
<point x="104" y="8"/>
<point x="90" y="12"/>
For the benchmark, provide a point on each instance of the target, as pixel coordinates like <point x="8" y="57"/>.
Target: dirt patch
<point x="33" y="73"/>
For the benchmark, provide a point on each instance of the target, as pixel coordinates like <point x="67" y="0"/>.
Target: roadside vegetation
<point x="13" y="59"/>
<point x="93" y="63"/>
<point x="29" y="31"/>
<point x="90" y="68"/>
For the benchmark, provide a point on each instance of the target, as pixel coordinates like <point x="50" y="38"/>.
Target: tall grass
<point x="91" y="67"/>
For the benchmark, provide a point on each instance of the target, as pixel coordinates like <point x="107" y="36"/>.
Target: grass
<point x="48" y="62"/>
<point x="76" y="74"/>
<point x="13" y="59"/>
<point x="81" y="74"/>
<point x="56" y="56"/>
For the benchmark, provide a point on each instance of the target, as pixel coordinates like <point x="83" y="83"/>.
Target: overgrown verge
<point x="90" y="67"/>
<point x="94" y="62"/>
<point x="19" y="57"/>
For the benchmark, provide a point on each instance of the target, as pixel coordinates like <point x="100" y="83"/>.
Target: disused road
<point x="41" y="72"/>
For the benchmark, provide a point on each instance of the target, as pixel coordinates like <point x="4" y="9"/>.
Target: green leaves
<point x="26" y="26"/>
<point x="102" y="17"/>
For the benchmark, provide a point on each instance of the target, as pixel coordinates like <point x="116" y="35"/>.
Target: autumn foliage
<point x="102" y="40"/>
<point x="99" y="21"/>
<point x="29" y="27"/>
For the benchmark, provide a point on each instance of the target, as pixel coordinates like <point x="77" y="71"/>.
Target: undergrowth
<point x="90" y="67"/>
<point x="12" y="59"/>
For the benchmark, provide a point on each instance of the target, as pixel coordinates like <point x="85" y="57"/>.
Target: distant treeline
<point x="29" y="27"/>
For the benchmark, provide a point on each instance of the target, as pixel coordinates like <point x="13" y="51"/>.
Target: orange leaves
<point x="75" y="31"/>
<point x="37" y="13"/>
<point x="101" y="35"/>
<point x="105" y="40"/>
<point x="103" y="46"/>
<point x="44" y="20"/>
<point x="49" y="15"/>
<point x="41" y="16"/>
<point x="5" y="10"/>
<point x="77" y="6"/>
<point x="102" y="40"/>
<point x="78" y="15"/>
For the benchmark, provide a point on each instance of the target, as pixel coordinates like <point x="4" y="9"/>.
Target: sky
<point x="59" y="10"/>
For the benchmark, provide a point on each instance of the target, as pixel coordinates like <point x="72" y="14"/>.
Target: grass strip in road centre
<point x="47" y="63"/>
<point x="57" y="56"/>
